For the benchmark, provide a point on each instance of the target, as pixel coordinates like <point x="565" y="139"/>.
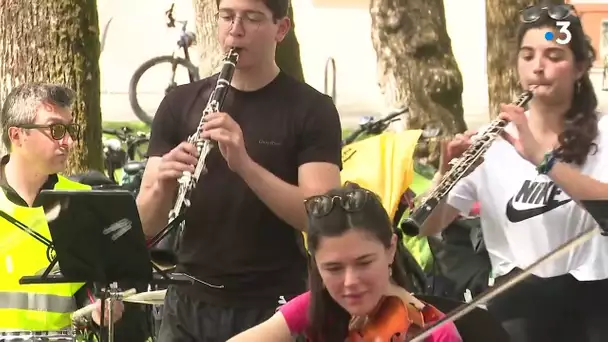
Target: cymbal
<point x="148" y="298"/>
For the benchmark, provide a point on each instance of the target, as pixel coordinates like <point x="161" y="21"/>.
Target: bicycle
<point x="132" y="161"/>
<point x="185" y="40"/>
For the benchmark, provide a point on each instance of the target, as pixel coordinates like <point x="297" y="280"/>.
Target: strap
<point x="547" y="164"/>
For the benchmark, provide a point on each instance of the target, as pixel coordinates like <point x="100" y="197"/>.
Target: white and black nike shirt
<point x="524" y="215"/>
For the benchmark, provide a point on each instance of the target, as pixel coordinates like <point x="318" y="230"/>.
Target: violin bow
<point x="602" y="224"/>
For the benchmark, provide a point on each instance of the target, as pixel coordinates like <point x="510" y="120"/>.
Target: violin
<point x="394" y="319"/>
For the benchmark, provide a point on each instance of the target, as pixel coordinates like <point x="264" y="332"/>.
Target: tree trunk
<point x="288" y="52"/>
<point x="207" y="43"/>
<point x="57" y="41"/>
<point x="416" y="65"/>
<point x="502" y="21"/>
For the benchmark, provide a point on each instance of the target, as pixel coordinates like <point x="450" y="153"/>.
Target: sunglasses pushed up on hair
<point x="57" y="130"/>
<point x="352" y="201"/>
<point x="556" y="12"/>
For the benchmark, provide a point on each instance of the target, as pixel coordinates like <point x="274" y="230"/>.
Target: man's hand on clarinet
<point x="223" y="129"/>
<point x="173" y="164"/>
<point x="116" y="313"/>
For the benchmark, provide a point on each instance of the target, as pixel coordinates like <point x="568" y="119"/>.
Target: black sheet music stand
<point x="97" y="238"/>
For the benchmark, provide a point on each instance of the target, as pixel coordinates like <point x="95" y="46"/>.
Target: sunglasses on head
<point x="57" y="130"/>
<point x="555" y="12"/>
<point x="352" y="201"/>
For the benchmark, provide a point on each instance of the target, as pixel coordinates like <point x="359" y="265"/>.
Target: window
<point x="604" y="41"/>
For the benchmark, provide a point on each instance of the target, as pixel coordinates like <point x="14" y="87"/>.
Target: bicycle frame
<point x="184" y="41"/>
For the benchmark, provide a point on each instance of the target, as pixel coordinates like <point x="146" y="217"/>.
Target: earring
<point x="390" y="270"/>
<point x="578" y="86"/>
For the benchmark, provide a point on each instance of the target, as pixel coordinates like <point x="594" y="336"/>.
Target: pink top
<point x="296" y="315"/>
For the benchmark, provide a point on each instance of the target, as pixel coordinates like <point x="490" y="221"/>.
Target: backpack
<point x="461" y="260"/>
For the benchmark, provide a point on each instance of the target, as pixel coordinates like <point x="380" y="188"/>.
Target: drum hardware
<point x="82" y="314"/>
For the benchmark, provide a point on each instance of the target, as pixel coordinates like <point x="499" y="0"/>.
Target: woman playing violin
<point x="356" y="281"/>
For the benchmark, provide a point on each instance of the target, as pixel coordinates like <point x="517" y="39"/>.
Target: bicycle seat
<point x="134" y="167"/>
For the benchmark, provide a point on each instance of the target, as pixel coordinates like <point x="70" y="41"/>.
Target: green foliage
<point x="134" y="125"/>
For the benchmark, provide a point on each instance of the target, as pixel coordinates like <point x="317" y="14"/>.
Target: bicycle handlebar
<point x="125" y="134"/>
<point x="373" y="126"/>
<point x="170" y="18"/>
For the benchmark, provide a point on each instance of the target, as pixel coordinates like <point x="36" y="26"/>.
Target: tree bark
<point x="288" y="52"/>
<point x="207" y="43"/>
<point x="415" y="61"/>
<point x="502" y="21"/>
<point x="58" y="42"/>
<point x="416" y="65"/>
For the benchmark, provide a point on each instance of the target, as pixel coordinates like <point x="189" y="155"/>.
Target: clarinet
<point x="460" y="168"/>
<point x="171" y="241"/>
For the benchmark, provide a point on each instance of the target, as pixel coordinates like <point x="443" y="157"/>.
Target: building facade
<point x="594" y="16"/>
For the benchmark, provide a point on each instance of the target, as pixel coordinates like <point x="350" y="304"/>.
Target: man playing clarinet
<point x="279" y="141"/>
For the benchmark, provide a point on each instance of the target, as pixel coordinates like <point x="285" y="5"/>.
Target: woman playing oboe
<point x="528" y="185"/>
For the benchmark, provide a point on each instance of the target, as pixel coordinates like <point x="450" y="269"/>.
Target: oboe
<point x="188" y="181"/>
<point x="460" y="168"/>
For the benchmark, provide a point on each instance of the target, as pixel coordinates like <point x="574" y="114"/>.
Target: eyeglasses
<point x="322" y="205"/>
<point x="57" y="130"/>
<point x="555" y="12"/>
<point x="251" y="21"/>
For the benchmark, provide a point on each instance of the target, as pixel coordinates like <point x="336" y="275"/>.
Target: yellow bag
<point x="383" y="164"/>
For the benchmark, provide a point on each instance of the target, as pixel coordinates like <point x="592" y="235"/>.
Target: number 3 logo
<point x="563" y="28"/>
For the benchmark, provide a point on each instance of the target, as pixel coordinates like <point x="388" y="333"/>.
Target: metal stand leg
<point x="114" y="296"/>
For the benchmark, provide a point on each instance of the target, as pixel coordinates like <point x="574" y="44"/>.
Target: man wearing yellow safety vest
<point x="38" y="131"/>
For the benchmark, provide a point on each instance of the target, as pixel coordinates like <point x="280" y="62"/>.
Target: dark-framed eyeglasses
<point x="556" y="12"/>
<point x="251" y="21"/>
<point x="57" y="130"/>
<point x="352" y="201"/>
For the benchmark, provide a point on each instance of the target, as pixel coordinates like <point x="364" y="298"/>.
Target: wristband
<point x="547" y="164"/>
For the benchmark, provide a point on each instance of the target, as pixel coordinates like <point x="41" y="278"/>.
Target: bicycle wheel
<point x="141" y="114"/>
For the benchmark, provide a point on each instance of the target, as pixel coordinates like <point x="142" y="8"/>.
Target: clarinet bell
<point x="164" y="253"/>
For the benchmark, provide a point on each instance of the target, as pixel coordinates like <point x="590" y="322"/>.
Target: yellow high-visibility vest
<point x="36" y="307"/>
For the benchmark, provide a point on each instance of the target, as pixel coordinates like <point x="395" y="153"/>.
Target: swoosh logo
<point x="515" y="215"/>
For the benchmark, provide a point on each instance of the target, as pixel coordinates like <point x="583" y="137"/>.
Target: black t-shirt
<point x="232" y="238"/>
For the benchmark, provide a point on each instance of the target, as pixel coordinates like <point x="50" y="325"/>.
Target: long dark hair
<point x="328" y="321"/>
<point x="580" y="122"/>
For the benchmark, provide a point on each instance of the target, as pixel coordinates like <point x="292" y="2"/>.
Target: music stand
<point x="97" y="237"/>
